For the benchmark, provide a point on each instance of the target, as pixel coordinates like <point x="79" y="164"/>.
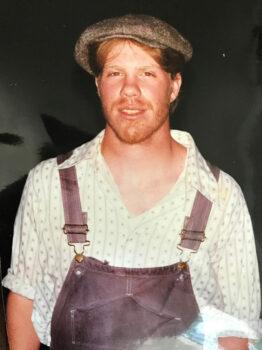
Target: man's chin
<point x="132" y="138"/>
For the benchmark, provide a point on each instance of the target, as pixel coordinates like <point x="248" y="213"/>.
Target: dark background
<point x="49" y="105"/>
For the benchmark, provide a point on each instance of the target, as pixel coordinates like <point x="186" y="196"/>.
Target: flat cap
<point x="142" y="28"/>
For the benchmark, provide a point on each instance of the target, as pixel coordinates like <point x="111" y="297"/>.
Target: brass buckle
<point x="79" y="255"/>
<point x="182" y="265"/>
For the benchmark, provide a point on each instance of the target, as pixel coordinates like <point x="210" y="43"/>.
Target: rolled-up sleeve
<point x="235" y="262"/>
<point x="21" y="275"/>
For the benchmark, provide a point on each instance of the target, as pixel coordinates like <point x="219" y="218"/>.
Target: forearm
<point x="233" y="343"/>
<point x="20" y="330"/>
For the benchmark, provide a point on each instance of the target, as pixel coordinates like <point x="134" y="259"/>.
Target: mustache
<point x="134" y="103"/>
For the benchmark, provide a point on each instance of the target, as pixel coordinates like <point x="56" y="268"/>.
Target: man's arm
<point x="234" y="260"/>
<point x="20" y="330"/>
<point x="233" y="343"/>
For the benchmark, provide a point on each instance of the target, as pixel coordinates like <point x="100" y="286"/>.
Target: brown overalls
<point x="102" y="307"/>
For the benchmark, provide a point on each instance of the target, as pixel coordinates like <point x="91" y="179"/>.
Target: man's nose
<point x="130" y="87"/>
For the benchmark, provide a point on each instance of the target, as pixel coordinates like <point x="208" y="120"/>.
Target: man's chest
<point x="139" y="199"/>
<point x="149" y="239"/>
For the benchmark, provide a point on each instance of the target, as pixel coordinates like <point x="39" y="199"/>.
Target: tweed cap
<point x="142" y="28"/>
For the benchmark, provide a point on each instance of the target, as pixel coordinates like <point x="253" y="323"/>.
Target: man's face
<point x="135" y="93"/>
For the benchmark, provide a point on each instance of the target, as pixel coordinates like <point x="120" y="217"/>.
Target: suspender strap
<point x="193" y="232"/>
<point x="75" y="220"/>
<point x="215" y="170"/>
<point x="62" y="157"/>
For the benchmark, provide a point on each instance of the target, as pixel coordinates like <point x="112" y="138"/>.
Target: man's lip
<point x="131" y="111"/>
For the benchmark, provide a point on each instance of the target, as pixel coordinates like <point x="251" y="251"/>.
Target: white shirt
<point x="224" y="271"/>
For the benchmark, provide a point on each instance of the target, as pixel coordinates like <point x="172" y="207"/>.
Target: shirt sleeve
<point x="21" y="275"/>
<point x="235" y="262"/>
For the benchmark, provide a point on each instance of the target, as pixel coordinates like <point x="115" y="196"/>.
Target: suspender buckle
<point x="75" y="229"/>
<point x="182" y="265"/>
<point x="193" y="235"/>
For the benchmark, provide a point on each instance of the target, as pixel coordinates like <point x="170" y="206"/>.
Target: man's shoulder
<point x="84" y="152"/>
<point x="221" y="187"/>
<point x="206" y="176"/>
<point x="228" y="188"/>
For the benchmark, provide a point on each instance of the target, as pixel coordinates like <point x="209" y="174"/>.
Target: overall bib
<point x="102" y="307"/>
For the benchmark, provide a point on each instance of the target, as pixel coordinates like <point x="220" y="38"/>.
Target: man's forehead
<point x="129" y="52"/>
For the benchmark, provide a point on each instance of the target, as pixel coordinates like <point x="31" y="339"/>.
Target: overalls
<point x="102" y="307"/>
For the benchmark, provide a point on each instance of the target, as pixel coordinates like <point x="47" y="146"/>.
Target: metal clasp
<point x="79" y="249"/>
<point x="182" y="265"/>
<point x="185" y="255"/>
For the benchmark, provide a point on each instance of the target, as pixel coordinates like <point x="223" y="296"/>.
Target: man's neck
<point x="144" y="172"/>
<point x="157" y="150"/>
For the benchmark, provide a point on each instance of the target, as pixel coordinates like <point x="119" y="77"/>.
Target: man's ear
<point x="97" y="86"/>
<point x="176" y="85"/>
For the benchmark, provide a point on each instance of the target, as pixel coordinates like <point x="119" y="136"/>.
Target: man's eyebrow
<point x="108" y="66"/>
<point x="150" y="67"/>
<point x="112" y="66"/>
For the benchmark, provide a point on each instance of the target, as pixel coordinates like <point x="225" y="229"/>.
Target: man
<point x="136" y="186"/>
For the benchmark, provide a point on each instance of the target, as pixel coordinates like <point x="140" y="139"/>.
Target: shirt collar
<point x="198" y="174"/>
<point x="87" y="151"/>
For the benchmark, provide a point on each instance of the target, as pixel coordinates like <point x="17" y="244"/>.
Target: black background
<point x="49" y="105"/>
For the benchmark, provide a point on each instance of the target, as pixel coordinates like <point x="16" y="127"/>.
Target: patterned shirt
<point x="224" y="271"/>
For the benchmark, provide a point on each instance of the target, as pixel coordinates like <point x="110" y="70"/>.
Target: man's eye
<point x="113" y="74"/>
<point x="149" y="74"/>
